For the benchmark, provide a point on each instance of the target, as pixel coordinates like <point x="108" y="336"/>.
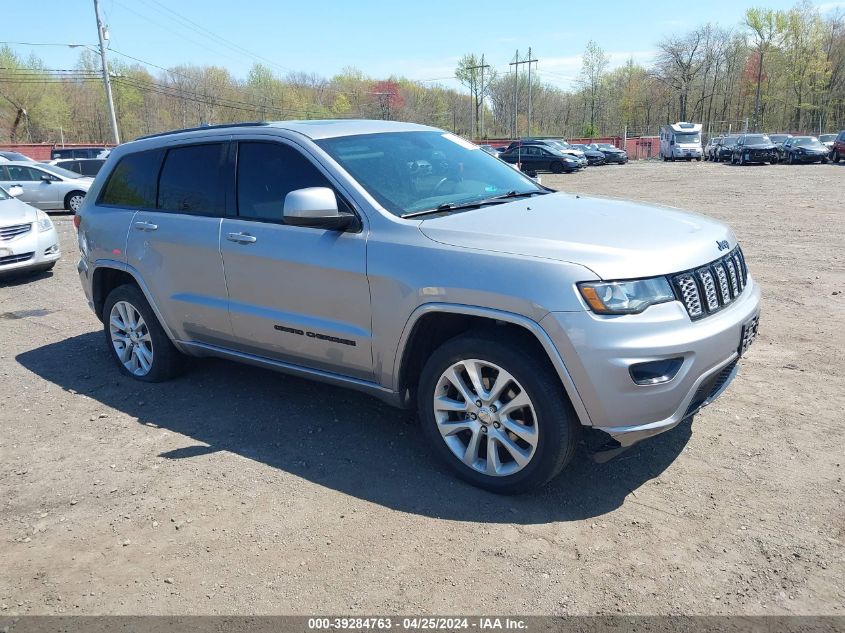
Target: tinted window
<point x="133" y="182"/>
<point x="18" y="173"/>
<point x="193" y="180"/>
<point x="90" y="167"/>
<point x="267" y="172"/>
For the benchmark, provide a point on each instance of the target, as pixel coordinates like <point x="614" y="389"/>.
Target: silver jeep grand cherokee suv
<point x="405" y="262"/>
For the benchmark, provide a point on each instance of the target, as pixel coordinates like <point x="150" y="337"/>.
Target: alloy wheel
<point x="486" y="418"/>
<point x="130" y="338"/>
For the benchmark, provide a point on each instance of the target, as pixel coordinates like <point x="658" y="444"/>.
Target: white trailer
<point x="681" y="141"/>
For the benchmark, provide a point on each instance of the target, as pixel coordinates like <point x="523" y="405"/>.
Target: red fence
<point x="42" y="151"/>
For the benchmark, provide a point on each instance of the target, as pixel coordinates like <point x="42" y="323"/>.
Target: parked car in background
<point x="681" y="141"/>
<point x="779" y="140"/>
<point x="612" y="154"/>
<point x="490" y="150"/>
<point x="726" y="148"/>
<point x="6" y="157"/>
<point x="509" y="315"/>
<point x="838" y="147"/>
<point x="28" y="239"/>
<point x="754" y="148"/>
<point x="557" y="144"/>
<point x="827" y="140"/>
<point x="83" y="166"/>
<point x="80" y="152"/>
<point x="47" y="187"/>
<point x="711" y="147"/>
<point x="594" y="157"/>
<point x="805" y="149"/>
<point x="541" y="158"/>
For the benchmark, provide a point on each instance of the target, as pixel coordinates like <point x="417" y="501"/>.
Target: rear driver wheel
<point x="137" y="341"/>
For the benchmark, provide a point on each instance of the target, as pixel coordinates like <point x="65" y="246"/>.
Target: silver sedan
<point x="45" y="187"/>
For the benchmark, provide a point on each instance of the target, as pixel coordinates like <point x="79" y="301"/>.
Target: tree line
<point x="777" y="71"/>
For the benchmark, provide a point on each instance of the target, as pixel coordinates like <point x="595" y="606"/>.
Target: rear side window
<point x="267" y="172"/>
<point x="133" y="182"/>
<point x="193" y="180"/>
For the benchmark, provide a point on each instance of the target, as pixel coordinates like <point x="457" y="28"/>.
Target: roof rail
<point x="204" y="127"/>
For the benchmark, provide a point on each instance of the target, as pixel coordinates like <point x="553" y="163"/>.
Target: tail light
<point x="77" y="221"/>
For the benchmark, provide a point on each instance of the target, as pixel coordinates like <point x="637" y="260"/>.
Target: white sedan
<point x="28" y="238"/>
<point x="46" y="187"/>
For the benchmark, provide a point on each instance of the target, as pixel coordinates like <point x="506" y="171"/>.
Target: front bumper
<point x="599" y="350"/>
<point x="33" y="249"/>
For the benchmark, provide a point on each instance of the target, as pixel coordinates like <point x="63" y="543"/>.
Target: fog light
<point x="656" y="371"/>
<point x="53" y="249"/>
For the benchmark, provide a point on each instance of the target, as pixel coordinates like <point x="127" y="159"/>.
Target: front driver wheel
<point x="496" y="414"/>
<point x="137" y="341"/>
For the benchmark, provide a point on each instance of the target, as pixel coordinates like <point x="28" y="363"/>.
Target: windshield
<point x="756" y="139"/>
<point x="778" y="138"/>
<point x="16" y="156"/>
<point x="4" y="195"/>
<point x="687" y="137"/>
<point x="729" y="139"/>
<point x="827" y="138"/>
<point x="60" y="171"/>
<point x="807" y="141"/>
<point x="416" y="171"/>
<point x="606" y="146"/>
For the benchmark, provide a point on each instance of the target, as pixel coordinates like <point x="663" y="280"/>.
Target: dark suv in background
<point x="838" y="147"/>
<point x="754" y="148"/>
<point x="725" y="150"/>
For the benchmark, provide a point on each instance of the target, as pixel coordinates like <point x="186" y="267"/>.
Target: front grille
<point x="11" y="232"/>
<point x="709" y="389"/>
<point x="15" y="259"/>
<point x="710" y="288"/>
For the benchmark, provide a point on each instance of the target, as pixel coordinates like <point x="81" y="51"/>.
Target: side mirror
<point x="47" y="178"/>
<point x="315" y="207"/>
<point x="15" y="191"/>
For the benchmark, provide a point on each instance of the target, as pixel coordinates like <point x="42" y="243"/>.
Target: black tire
<point x="556" y="167"/>
<point x="790" y="160"/>
<point x="167" y="361"/>
<point x="835" y="158"/>
<point x="557" y="424"/>
<point x="70" y="199"/>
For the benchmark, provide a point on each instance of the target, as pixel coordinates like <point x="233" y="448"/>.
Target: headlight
<point x="625" y="297"/>
<point x="44" y="222"/>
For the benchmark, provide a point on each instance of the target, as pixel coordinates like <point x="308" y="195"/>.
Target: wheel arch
<point x="430" y="325"/>
<point x="108" y="275"/>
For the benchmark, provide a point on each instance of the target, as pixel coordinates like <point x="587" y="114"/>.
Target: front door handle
<point x="146" y="226"/>
<point x="241" y="238"/>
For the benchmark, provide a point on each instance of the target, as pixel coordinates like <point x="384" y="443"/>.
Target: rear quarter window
<point x="132" y="183"/>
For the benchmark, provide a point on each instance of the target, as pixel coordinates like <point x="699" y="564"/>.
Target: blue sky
<point x="419" y="40"/>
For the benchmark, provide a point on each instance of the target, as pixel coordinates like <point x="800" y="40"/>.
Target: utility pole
<point x="479" y="92"/>
<point x="516" y="65"/>
<point x="101" y="32"/>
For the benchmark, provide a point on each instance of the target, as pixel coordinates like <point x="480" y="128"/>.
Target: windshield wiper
<point x="474" y="204"/>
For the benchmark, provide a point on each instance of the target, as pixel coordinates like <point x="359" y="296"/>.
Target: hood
<point x="13" y="211"/>
<point x="572" y="152"/>
<point x="615" y="239"/>
<point x="760" y="146"/>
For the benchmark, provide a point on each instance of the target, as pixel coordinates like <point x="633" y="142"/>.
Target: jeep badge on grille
<point x="723" y="245"/>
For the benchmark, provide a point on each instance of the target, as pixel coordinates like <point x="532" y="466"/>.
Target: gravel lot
<point x="236" y="490"/>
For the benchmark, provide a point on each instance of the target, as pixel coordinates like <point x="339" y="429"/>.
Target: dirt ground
<point x="234" y="490"/>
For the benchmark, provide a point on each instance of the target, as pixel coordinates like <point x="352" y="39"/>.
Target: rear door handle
<point x="241" y="238"/>
<point x="146" y="226"/>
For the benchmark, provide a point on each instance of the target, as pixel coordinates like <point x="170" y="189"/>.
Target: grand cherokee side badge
<point x="723" y="245"/>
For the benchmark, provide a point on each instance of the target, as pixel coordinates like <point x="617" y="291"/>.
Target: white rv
<point x="681" y="141"/>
